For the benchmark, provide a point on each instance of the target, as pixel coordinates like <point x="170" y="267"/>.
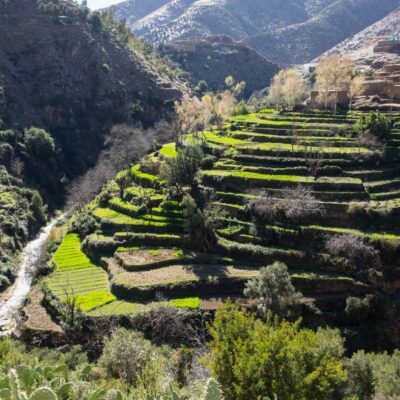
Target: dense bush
<point x="130" y="357"/>
<point x="252" y="359"/>
<point x="375" y="123"/>
<point x="295" y="205"/>
<point x="358" y="310"/>
<point x="84" y="224"/>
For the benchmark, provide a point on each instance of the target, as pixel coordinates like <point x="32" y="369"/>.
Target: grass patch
<point x="225" y="140"/>
<point x="69" y="255"/>
<point x="142" y="176"/>
<point x="90" y="301"/>
<point x="188" y="302"/>
<point x="168" y="150"/>
<point x="287" y="178"/>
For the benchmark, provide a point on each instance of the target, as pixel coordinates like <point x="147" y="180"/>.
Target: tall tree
<point x="332" y="72"/>
<point x="287" y="90"/>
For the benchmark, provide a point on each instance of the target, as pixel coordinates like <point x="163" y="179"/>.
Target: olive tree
<point x="273" y="290"/>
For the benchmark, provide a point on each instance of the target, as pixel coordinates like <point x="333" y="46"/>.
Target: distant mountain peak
<point x="285" y="31"/>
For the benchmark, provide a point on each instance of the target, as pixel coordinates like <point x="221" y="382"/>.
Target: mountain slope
<point x="63" y="72"/>
<point x="386" y="26"/>
<point x="287" y="32"/>
<point x="183" y="19"/>
<point x="214" y="58"/>
<point x="303" y="42"/>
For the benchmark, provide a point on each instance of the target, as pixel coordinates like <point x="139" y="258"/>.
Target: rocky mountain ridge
<point x="286" y="32"/>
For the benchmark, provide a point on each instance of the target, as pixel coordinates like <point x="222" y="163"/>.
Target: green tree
<point x="273" y="290"/>
<point x="200" y="224"/>
<point x="361" y="376"/>
<point x="39" y="143"/>
<point x="252" y="359"/>
<point x="375" y="123"/>
<point x="38" y="208"/>
<point x="181" y="171"/>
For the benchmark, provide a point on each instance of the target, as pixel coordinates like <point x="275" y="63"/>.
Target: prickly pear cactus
<point x="43" y="394"/>
<point x="15" y="390"/>
<point x="213" y="390"/>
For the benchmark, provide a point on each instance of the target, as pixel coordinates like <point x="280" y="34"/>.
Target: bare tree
<point x="356" y="88"/>
<point x="296" y="204"/>
<point x="332" y="72"/>
<point x="191" y="115"/>
<point x="123" y="145"/>
<point x="370" y="141"/>
<point x="355" y="248"/>
<point x="287" y="90"/>
<point x="17" y="167"/>
<point x="220" y="106"/>
<point x="313" y="155"/>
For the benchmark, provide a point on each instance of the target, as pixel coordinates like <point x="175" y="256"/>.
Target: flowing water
<point x="14" y="300"/>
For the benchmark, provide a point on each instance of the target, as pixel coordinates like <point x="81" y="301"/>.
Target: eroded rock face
<point x="213" y="58"/>
<point x="65" y="74"/>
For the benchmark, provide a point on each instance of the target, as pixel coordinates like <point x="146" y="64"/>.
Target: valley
<point x="199" y="200"/>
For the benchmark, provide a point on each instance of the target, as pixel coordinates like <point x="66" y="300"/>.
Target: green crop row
<point x="69" y="255"/>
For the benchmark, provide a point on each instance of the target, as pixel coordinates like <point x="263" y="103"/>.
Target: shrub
<point x="375" y="123"/>
<point x="360" y="376"/>
<point x="130" y="357"/>
<point x="273" y="290"/>
<point x="84" y="224"/>
<point x="254" y="360"/>
<point x="357" y="309"/>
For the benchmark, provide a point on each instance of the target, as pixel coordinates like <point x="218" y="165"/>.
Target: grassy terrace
<point x="146" y="253"/>
<point x="76" y="276"/>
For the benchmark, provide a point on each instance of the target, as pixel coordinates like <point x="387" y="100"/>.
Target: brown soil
<point x="37" y="317"/>
<point x="178" y="274"/>
<point x="212" y="303"/>
<point x="143" y="257"/>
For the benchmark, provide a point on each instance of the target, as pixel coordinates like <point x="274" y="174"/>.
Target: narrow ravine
<point x="10" y="307"/>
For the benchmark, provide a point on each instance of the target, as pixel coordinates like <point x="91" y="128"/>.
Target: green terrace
<point x="141" y="258"/>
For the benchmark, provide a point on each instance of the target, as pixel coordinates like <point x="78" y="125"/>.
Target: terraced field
<point x="141" y="258"/>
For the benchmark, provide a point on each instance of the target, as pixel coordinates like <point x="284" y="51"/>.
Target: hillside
<point x="360" y="46"/>
<point x="62" y="71"/>
<point x="303" y="42"/>
<point x="70" y="77"/>
<point x="286" y="32"/>
<point x="141" y="253"/>
<point x="212" y="59"/>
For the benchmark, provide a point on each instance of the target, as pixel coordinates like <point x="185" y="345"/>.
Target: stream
<point x="15" y="297"/>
